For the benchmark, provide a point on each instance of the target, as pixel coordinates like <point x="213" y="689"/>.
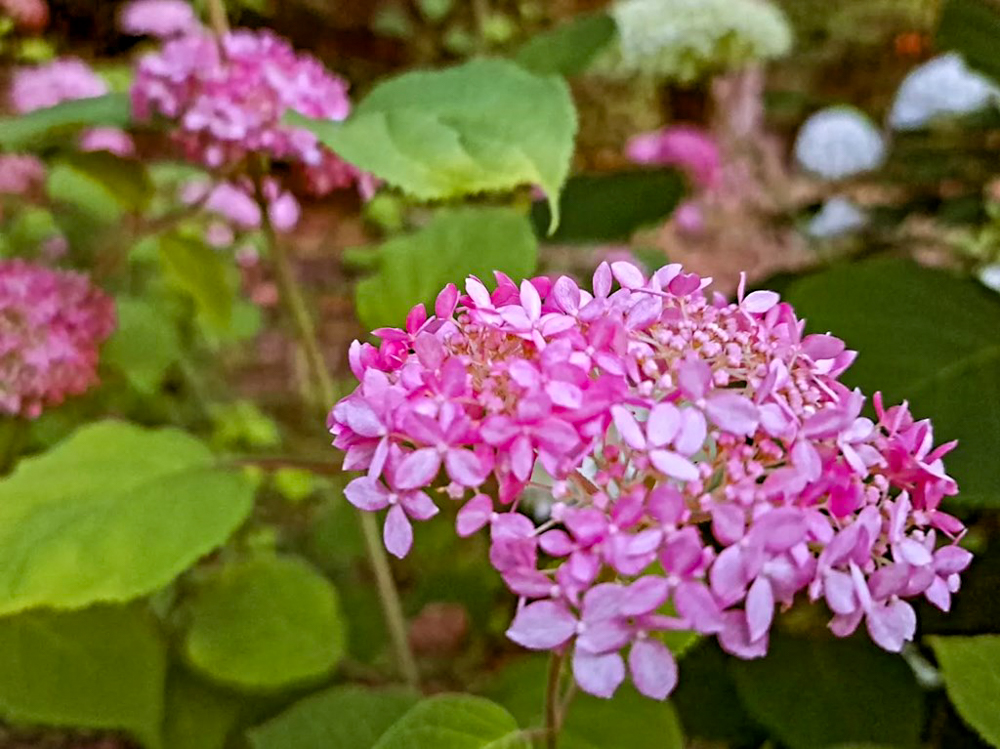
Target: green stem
<point x="217" y="17"/>
<point x="553" y="708"/>
<point x="291" y="295"/>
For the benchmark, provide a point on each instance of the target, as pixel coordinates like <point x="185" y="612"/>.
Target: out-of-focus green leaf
<point x="971" y="670"/>
<point x="265" y="623"/>
<point x="144" y="345"/>
<point x="54" y="124"/>
<point x="112" y="513"/>
<point x="814" y="693"/>
<point x="196" y="269"/>
<point x="348" y="717"/>
<point x="454" y="721"/>
<point x="100" y="668"/>
<point x="487" y="125"/>
<point x="627" y="720"/>
<point x="568" y="48"/>
<point x="926" y="336"/>
<point x="197" y="716"/>
<point x="599" y="208"/>
<point x="456" y="243"/>
<point x="972" y="27"/>
<point x="99" y="184"/>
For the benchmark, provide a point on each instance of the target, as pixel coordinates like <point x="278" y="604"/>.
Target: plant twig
<point x="305" y="329"/>
<point x="217" y="17"/>
<point x="553" y="708"/>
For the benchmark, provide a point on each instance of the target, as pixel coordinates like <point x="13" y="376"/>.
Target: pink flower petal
<point x="465" y="468"/>
<point x="759" y="302"/>
<point x="759" y="608"/>
<point x="474" y="514"/>
<point x="418" y="469"/>
<point x="599" y="675"/>
<point x="628" y="427"/>
<point x="653" y="669"/>
<point x="674" y="465"/>
<point x="733" y="412"/>
<point x="663" y="424"/>
<point x="397" y="532"/>
<point x="367" y="494"/>
<point x="542" y="626"/>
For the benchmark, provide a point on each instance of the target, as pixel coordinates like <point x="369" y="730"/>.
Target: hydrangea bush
<point x="707" y="465"/>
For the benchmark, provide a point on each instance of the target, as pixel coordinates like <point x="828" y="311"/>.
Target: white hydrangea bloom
<point x="838" y="217"/>
<point x="940" y="87"/>
<point x="839" y="142"/>
<point x="685" y="39"/>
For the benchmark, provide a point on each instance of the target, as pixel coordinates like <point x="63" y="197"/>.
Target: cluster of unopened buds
<point x="51" y="325"/>
<point x="706" y="465"/>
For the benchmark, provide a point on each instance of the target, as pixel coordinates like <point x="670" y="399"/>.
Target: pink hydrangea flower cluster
<point x="233" y="201"/>
<point x="158" y="18"/>
<point x="690" y="149"/>
<point x="67" y="79"/>
<point x="706" y="464"/>
<point x="51" y="324"/>
<point x="20" y="173"/>
<point x="230" y="95"/>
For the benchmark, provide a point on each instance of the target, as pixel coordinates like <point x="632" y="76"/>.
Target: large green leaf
<point x="198" y="270"/>
<point x="487" y="125"/>
<point x="456" y="243"/>
<point x="454" y="721"/>
<point x="100" y="668"/>
<point x="627" y="720"/>
<point x="923" y="335"/>
<point x="597" y="208"/>
<point x="825" y="692"/>
<point x="53" y="124"/>
<point x="971" y="670"/>
<point x="100" y="183"/>
<point x="972" y="27"/>
<point x="197" y="715"/>
<point x="264" y="623"/>
<point x="569" y="48"/>
<point x="144" y="345"/>
<point x="348" y="717"/>
<point x="112" y="513"/>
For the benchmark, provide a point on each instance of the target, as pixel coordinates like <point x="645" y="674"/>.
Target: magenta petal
<point x="644" y="595"/>
<point x="599" y="675"/>
<point x="694" y="377"/>
<point x="673" y="465"/>
<point x="367" y="494"/>
<point x="759" y="608"/>
<point x="465" y="468"/>
<point x="728" y="575"/>
<point x="695" y="603"/>
<point x="360" y="417"/>
<point x="397" y="532"/>
<point x="447" y="300"/>
<point x="418" y="469"/>
<point x="474" y="514"/>
<point x="418" y="505"/>
<point x="522" y="458"/>
<point x="653" y="668"/>
<point x="542" y="625"/>
<point x="603" y="636"/>
<point x="566" y="294"/>
<point x="733" y="412"/>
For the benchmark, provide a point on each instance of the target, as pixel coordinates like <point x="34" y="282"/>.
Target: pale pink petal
<point x="447" y="300"/>
<point x="759" y="608"/>
<point x="735" y="638"/>
<point x="418" y="505"/>
<point x="602" y="280"/>
<point x="418" y="469"/>
<point x="530" y="300"/>
<point x="367" y="494"/>
<point x="693" y="432"/>
<point x="474" y="514"/>
<point x="891" y="625"/>
<point x="397" y="533"/>
<point x="663" y="424"/>
<point x="542" y="625"/>
<point x="628" y="275"/>
<point x="694" y="377"/>
<point x="759" y="302"/>
<point x="653" y="668"/>
<point x="646" y="594"/>
<point x="733" y="412"/>
<point x="599" y="675"/>
<point x="628" y="427"/>
<point x="674" y="465"/>
<point x="522" y="458"/>
<point x="566" y="294"/>
<point x="465" y="468"/>
<point x="695" y="603"/>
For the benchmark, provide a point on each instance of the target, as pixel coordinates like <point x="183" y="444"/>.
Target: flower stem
<point x="553" y="708"/>
<point x="217" y="17"/>
<point x="305" y="329"/>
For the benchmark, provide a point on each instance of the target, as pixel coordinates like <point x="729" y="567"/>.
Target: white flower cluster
<point x="684" y="40"/>
<point x="941" y="87"/>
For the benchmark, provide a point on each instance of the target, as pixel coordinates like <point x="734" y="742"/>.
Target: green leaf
<point x="124" y="182"/>
<point x="569" y="48"/>
<point x="454" y="721"/>
<point x="627" y="720"/>
<point x="198" y="270"/>
<point x="112" y="513"/>
<point x="487" y="125"/>
<point x="348" y="717"/>
<point x="456" y="243"/>
<point x="599" y="208"/>
<point x="198" y="716"/>
<point x="923" y="335"/>
<point x="972" y="27"/>
<point x="971" y="670"/>
<point x="824" y="692"/>
<point x="54" y="124"/>
<point x="265" y="623"/>
<point x="100" y="668"/>
<point x="144" y="345"/>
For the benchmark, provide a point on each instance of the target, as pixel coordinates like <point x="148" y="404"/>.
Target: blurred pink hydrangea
<point x="30" y="16"/>
<point x="706" y="464"/>
<point x="229" y="96"/>
<point x="20" y="173"/>
<point x="159" y="18"/>
<point x="67" y="79"/>
<point x="51" y="324"/>
<point x="688" y="148"/>
<point x="234" y="202"/>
